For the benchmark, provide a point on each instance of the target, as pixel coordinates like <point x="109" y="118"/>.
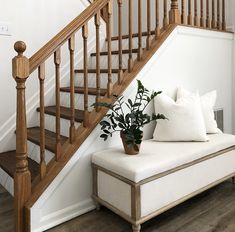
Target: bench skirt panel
<point x="160" y="194"/>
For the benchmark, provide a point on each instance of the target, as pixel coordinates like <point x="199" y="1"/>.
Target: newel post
<point x="174" y="14"/>
<point x="22" y="177"/>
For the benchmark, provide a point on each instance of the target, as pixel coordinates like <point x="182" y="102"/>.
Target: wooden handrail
<point x="63" y="36"/>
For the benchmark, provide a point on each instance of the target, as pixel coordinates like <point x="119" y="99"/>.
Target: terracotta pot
<point x="129" y="150"/>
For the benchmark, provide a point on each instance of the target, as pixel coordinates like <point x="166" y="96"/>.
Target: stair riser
<point x="34" y="153"/>
<point x="64" y="124"/>
<point x="125" y="43"/>
<point x="7" y="181"/>
<point x="79" y="100"/>
<point x="115" y="61"/>
<point x="79" y="81"/>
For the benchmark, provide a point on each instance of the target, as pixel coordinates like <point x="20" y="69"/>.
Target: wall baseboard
<point x="63" y="215"/>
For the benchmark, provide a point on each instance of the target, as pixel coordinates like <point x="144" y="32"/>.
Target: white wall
<point x="193" y="58"/>
<point x="232" y="26"/>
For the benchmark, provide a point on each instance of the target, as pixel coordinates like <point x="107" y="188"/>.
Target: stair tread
<point x="8" y="164"/>
<point x="115" y="52"/>
<point x="64" y="112"/>
<point x="50" y="138"/>
<point x="91" y="91"/>
<point x="94" y="70"/>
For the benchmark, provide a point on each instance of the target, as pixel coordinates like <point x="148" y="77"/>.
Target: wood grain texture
<point x="91" y="91"/>
<point x="211" y="211"/>
<point x="196" y="19"/>
<point x="120" y="73"/>
<point x="165" y="18"/>
<point x="213" y="22"/>
<point x="85" y="77"/>
<point x="218" y="15"/>
<point x="97" y="25"/>
<point x="22" y="177"/>
<point x="8" y="164"/>
<point x="208" y="22"/>
<point x="130" y="22"/>
<point x="202" y="20"/>
<point x="50" y="138"/>
<point x="148" y="38"/>
<point x="65" y="113"/>
<point x="71" y="46"/>
<point x="140" y="48"/>
<point x="190" y="16"/>
<point x="109" y="49"/>
<point x="57" y="61"/>
<point x="183" y="15"/>
<point x="157" y="19"/>
<point x="223" y="16"/>
<point x="41" y="76"/>
<point x="101" y="70"/>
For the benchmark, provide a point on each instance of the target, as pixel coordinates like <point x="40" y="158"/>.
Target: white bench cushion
<point x="157" y="157"/>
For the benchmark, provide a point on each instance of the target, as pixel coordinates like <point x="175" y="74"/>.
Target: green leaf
<point x="121" y="125"/>
<point x="104" y="136"/>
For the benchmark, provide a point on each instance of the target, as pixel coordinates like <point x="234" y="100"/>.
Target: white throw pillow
<point x="185" y="122"/>
<point x="208" y="103"/>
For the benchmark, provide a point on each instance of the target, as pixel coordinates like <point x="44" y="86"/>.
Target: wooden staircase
<point x="31" y="178"/>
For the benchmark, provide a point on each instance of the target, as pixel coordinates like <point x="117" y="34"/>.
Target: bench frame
<point x="135" y="219"/>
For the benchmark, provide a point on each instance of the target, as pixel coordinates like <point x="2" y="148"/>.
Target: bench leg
<point x="97" y="205"/>
<point x="233" y="180"/>
<point x="136" y="228"/>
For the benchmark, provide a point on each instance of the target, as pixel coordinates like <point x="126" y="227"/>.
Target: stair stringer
<point x="69" y="194"/>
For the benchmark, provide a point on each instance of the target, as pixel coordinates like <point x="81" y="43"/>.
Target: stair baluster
<point x="202" y="20"/>
<point x="97" y="24"/>
<point x="22" y="177"/>
<point x="148" y="39"/>
<point x="218" y="15"/>
<point x="130" y="60"/>
<point x="223" y="16"/>
<point x="196" y="20"/>
<point x="120" y="71"/>
<point x="157" y="26"/>
<point x="190" y="16"/>
<point x="208" y="23"/>
<point x="41" y="76"/>
<point x="85" y="67"/>
<point x="109" y="45"/>
<point x="57" y="61"/>
<point x="165" y="18"/>
<point x="71" y="45"/>
<point x="174" y="14"/>
<point x="183" y="16"/>
<point x="213" y="23"/>
<point x="140" y="49"/>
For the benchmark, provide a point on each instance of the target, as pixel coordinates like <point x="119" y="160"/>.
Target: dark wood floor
<point x="212" y="211"/>
<point x="6" y="211"/>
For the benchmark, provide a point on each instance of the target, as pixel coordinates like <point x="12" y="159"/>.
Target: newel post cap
<point x="20" y="63"/>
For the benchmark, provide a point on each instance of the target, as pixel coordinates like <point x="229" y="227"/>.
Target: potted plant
<point x="129" y="123"/>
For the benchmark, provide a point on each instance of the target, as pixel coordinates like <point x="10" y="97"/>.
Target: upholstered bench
<point x="163" y="175"/>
